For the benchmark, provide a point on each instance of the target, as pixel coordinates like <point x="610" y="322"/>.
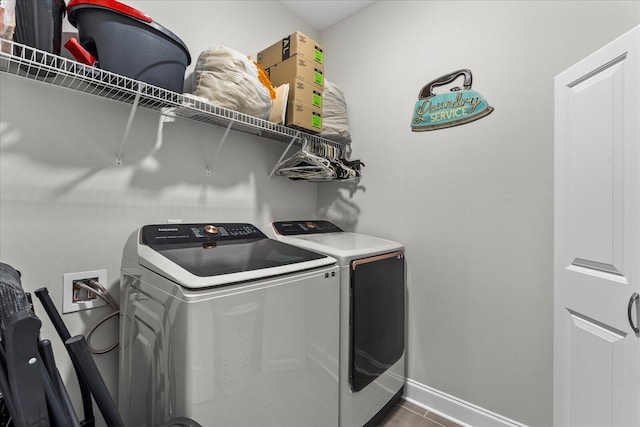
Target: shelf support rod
<point x="125" y="135"/>
<point x="285" y="152"/>
<point x="224" y="138"/>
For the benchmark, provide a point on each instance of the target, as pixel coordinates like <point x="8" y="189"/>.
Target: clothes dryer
<point x="372" y="315"/>
<point x="222" y="326"/>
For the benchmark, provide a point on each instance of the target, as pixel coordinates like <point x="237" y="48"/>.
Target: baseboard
<point x="464" y="413"/>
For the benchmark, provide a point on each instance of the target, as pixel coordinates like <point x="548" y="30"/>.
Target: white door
<point x="597" y="238"/>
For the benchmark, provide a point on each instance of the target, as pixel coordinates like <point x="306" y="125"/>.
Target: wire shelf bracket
<point x="224" y="138"/>
<point x="127" y="128"/>
<point x="296" y="136"/>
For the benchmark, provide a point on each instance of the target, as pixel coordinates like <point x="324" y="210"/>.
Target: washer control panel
<point x="163" y="234"/>
<point x="293" y="228"/>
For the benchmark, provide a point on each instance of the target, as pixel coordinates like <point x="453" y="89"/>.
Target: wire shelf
<point x="24" y="61"/>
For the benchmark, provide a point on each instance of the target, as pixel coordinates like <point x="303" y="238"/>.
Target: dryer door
<point x="377" y="316"/>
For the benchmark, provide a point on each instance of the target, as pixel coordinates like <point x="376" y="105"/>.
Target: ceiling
<point x="322" y="14"/>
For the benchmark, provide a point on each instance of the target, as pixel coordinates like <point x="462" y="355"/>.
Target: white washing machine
<point x="372" y="315"/>
<point x="222" y="326"/>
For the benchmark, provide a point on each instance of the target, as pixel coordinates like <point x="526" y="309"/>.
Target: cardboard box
<point x="294" y="44"/>
<point x="305" y="117"/>
<point x="305" y="93"/>
<point x="296" y="67"/>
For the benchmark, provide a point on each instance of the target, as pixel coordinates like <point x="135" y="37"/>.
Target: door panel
<point x="593" y="169"/>
<point x="590" y="378"/>
<point x="597" y="239"/>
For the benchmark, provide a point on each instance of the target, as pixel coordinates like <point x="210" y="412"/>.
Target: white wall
<point x="65" y="206"/>
<point x="473" y="204"/>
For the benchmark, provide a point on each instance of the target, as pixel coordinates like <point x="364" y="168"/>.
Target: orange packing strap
<point x="264" y="79"/>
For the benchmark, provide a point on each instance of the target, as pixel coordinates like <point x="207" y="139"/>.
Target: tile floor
<point x="406" y="414"/>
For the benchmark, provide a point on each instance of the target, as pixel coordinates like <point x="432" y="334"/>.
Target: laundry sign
<point x="447" y="109"/>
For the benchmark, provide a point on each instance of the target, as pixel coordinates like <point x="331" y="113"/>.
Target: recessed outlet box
<point x="75" y="297"/>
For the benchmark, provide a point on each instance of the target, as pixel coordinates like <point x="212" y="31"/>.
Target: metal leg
<point x="46" y="353"/>
<point x="63" y="332"/>
<point x="79" y="352"/>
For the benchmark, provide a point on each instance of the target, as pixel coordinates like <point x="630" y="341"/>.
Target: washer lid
<point x="207" y="255"/>
<point x="328" y="239"/>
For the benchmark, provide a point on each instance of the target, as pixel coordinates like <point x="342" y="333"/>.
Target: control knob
<point x="211" y="229"/>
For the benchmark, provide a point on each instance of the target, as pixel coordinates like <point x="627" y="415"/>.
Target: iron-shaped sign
<point x="453" y="108"/>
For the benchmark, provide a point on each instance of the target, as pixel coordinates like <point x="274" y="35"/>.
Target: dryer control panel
<point x="164" y="234"/>
<point x="294" y="228"/>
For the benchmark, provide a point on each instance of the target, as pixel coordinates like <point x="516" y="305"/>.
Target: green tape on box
<point x="317" y="77"/>
<point x="317" y="99"/>
<point x="318" y="56"/>
<point x="316" y="121"/>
